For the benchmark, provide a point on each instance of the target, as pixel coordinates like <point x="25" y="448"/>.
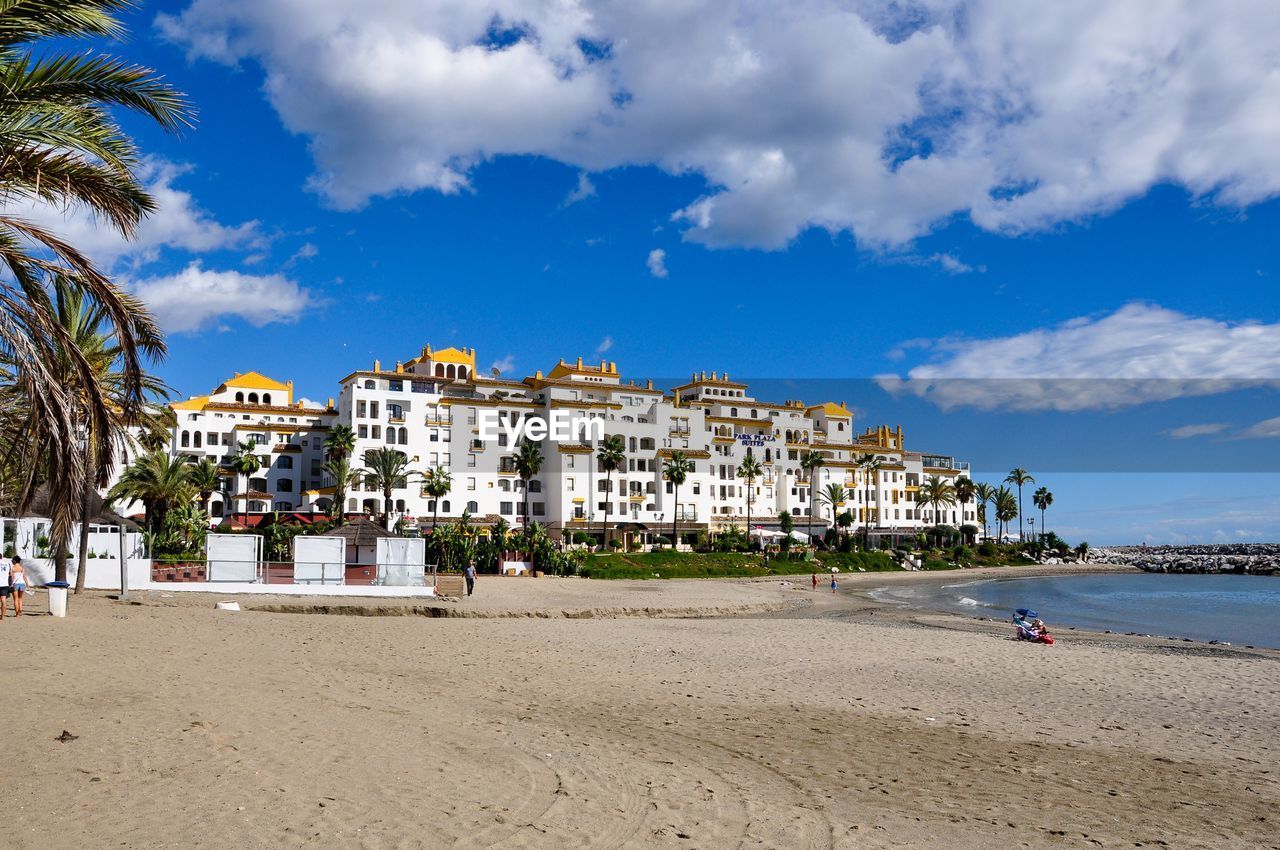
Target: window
<point x="471" y="485"/>
<point x="211" y="439"/>
<point x="395" y="386"/>
<point x="369" y="385"/>
<point x="373" y="410"/>
<point x="285" y="462"/>
<point x="253" y="398"/>
<point x="444" y="506"/>
<point x="361" y="409"/>
<point x="377" y="432"/>
<point x="186" y="439"/>
<point x="538" y="509"/>
<point x="504" y="508"/>
<point x="240" y="398"/>
<point x="363" y="432"/>
<point x="284" y="485"/>
<point x="471" y="461"/>
<point x="535" y="486"/>
<point x="473" y="507"/>
<point x="266" y="398"/>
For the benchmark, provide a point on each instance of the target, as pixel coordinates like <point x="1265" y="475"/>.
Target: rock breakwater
<point x="1245" y="558"/>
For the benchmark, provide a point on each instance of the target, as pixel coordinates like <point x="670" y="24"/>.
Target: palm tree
<point x="749" y="470"/>
<point x="64" y="148"/>
<point x="157" y="480"/>
<point x="1082" y="550"/>
<point x="1006" y="505"/>
<point x="1019" y="476"/>
<point x="676" y="470"/>
<point x="834" y="495"/>
<point x="344" y="477"/>
<point x="870" y="464"/>
<point x="984" y="493"/>
<point x="386" y="469"/>
<point x="206" y="477"/>
<point x="611" y="455"/>
<point x="936" y="493"/>
<point x="436" y="483"/>
<point x="245" y="462"/>
<point x="964" y="489"/>
<point x="340" y="442"/>
<point x="810" y="462"/>
<point x="1042" y="499"/>
<point x="528" y="463"/>
<point x="88" y="339"/>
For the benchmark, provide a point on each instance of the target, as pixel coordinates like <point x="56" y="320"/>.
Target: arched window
<point x="186" y="439"/>
<point x="535" y="486"/>
<point x="400" y="505"/>
<point x="199" y="438"/>
<point x="266" y="398"/>
<point x="439" y="370"/>
<point x="391" y="436"/>
<point x="253" y="398"/>
<point x="451" y="372"/>
<point x="444" y="506"/>
<point x="473" y="507"/>
<point x="733" y="411"/>
<point x="240" y="397"/>
<point x="462" y="371"/>
<point x="404" y="436"/>
<point x="369" y="385"/>
<point x="285" y="462"/>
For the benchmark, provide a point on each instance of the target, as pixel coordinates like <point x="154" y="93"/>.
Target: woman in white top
<point x="5" y="589"/>
<point x="18" y="579"/>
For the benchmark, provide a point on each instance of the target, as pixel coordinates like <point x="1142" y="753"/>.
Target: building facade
<point x="440" y="413"/>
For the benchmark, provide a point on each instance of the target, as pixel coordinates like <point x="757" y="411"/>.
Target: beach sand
<point x="814" y="721"/>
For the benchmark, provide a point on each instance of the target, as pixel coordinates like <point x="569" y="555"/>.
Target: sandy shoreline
<point x="806" y="727"/>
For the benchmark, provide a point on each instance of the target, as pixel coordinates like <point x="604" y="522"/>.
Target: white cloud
<point x="839" y="114"/>
<point x="605" y="345"/>
<point x="307" y="251"/>
<point x="657" y="262"/>
<point x="195" y="298"/>
<point x="1267" y="429"/>
<point x="179" y="223"/>
<point x="950" y="264"/>
<point x="503" y="366"/>
<point x="1139" y="353"/>
<point x="585" y="189"/>
<point x="1205" y="429"/>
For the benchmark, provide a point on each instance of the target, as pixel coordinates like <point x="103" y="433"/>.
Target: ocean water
<point x="1239" y="609"/>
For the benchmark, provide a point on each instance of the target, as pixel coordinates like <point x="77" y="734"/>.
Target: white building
<point x="438" y="412"/>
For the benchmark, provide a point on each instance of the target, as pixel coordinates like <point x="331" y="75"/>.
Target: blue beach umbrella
<point x="1027" y="612"/>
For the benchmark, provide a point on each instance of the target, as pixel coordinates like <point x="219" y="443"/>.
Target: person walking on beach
<point x="5" y="589"/>
<point x="815" y="581"/>
<point x="18" y="582"/>
<point x="470" y="574"/>
<point x="833" y="582"/>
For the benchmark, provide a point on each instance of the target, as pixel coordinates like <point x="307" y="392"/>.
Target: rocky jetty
<point x="1251" y="558"/>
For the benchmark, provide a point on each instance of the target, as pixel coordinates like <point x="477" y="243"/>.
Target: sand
<point x="800" y="724"/>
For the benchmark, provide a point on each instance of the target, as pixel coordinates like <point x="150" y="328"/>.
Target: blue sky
<point x="962" y="192"/>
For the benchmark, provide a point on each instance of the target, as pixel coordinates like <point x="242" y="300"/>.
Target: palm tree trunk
<point x="1021" y="539"/>
<point x="608" y="505"/>
<point x="85" y="490"/>
<point x="749" y="489"/>
<point x="675" y="511"/>
<point x="386" y="508"/>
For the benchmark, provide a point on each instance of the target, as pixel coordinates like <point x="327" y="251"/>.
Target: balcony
<point x="680" y="431"/>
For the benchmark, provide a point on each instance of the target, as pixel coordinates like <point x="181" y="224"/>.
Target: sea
<point x="1242" y="610"/>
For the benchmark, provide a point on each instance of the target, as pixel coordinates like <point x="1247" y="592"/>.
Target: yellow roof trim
<point x="831" y="409"/>
<point x="193" y="403"/>
<point x="255" y="381"/>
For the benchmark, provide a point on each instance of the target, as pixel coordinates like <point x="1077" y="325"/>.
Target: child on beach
<point x="833" y="582"/>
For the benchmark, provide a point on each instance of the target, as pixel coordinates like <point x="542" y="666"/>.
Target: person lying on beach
<point x="1038" y="627"/>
